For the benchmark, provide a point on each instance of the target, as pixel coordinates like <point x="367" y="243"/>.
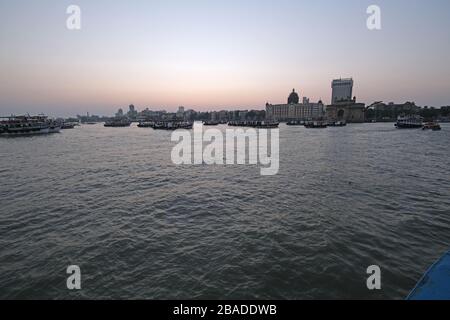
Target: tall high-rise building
<point x="342" y="90"/>
<point x="343" y="106"/>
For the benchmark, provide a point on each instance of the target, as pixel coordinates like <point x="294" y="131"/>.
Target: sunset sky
<point x="216" y="55"/>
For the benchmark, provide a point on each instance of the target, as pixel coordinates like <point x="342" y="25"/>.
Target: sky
<point x="213" y="55"/>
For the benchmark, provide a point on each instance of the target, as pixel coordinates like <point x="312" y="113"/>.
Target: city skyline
<point x="210" y="56"/>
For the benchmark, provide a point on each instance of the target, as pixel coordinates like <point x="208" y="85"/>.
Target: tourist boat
<point x="316" y="125"/>
<point x="435" y="283"/>
<point x="28" y="125"/>
<point x="431" y="126"/>
<point x="409" y="122"/>
<point x="118" y="122"/>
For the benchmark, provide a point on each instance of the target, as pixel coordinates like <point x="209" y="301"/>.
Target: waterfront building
<point x="343" y="107"/>
<point x="180" y="112"/>
<point x="119" y="113"/>
<point x="132" y="113"/>
<point x="293" y="97"/>
<point x="342" y="90"/>
<point x="294" y="110"/>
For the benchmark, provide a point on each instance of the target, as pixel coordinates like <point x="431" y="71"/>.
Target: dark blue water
<point x="111" y="201"/>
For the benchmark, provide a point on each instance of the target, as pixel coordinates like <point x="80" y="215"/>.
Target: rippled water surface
<point x="111" y="201"/>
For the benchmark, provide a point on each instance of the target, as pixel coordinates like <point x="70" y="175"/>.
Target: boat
<point x="296" y="123"/>
<point x="431" y="126"/>
<point x="316" y="125"/>
<point x="67" y="125"/>
<point x="337" y="124"/>
<point x="185" y="125"/>
<point x="171" y="125"/>
<point x="28" y="125"/>
<point x="267" y="125"/>
<point x="435" y="283"/>
<point x="255" y="124"/>
<point x="409" y="122"/>
<point x="146" y="124"/>
<point x="118" y="122"/>
<point x="211" y="123"/>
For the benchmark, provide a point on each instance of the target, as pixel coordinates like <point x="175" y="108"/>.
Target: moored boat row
<point x="254" y="124"/>
<point x="166" y="125"/>
<point x="118" y="122"/>
<point x="316" y="124"/>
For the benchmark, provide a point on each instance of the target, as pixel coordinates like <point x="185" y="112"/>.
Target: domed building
<point x="294" y="110"/>
<point x="293" y="97"/>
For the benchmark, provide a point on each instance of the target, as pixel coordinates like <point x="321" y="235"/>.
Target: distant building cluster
<point x="182" y="113"/>
<point x="343" y="107"/>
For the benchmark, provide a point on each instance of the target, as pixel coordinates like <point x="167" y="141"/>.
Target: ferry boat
<point x="431" y="126"/>
<point x="409" y="122"/>
<point x="28" y="125"/>
<point x="316" y="125"/>
<point x="118" y="122"/>
<point x="435" y="283"/>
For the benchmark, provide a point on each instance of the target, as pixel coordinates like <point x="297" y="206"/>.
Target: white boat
<point x="27" y="125"/>
<point x="409" y="122"/>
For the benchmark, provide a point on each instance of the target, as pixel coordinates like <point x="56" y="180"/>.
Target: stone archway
<point x="340" y="114"/>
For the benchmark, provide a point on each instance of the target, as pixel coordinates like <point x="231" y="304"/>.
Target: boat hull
<point x="408" y="126"/>
<point x="435" y="284"/>
<point x="29" y="132"/>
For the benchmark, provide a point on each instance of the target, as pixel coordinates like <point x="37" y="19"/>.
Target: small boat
<point x="295" y="123"/>
<point x="409" y="122"/>
<point x="185" y="125"/>
<point x="255" y="124"/>
<point x="211" y="123"/>
<point x="67" y="125"/>
<point x="146" y="124"/>
<point x="118" y="122"/>
<point x="171" y="125"/>
<point x="337" y="124"/>
<point x="316" y="125"/>
<point x="431" y="126"/>
<point x="435" y="283"/>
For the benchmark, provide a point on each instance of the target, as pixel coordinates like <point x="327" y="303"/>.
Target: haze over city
<point x="212" y="55"/>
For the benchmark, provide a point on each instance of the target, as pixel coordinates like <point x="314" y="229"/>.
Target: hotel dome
<point x="293" y="97"/>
